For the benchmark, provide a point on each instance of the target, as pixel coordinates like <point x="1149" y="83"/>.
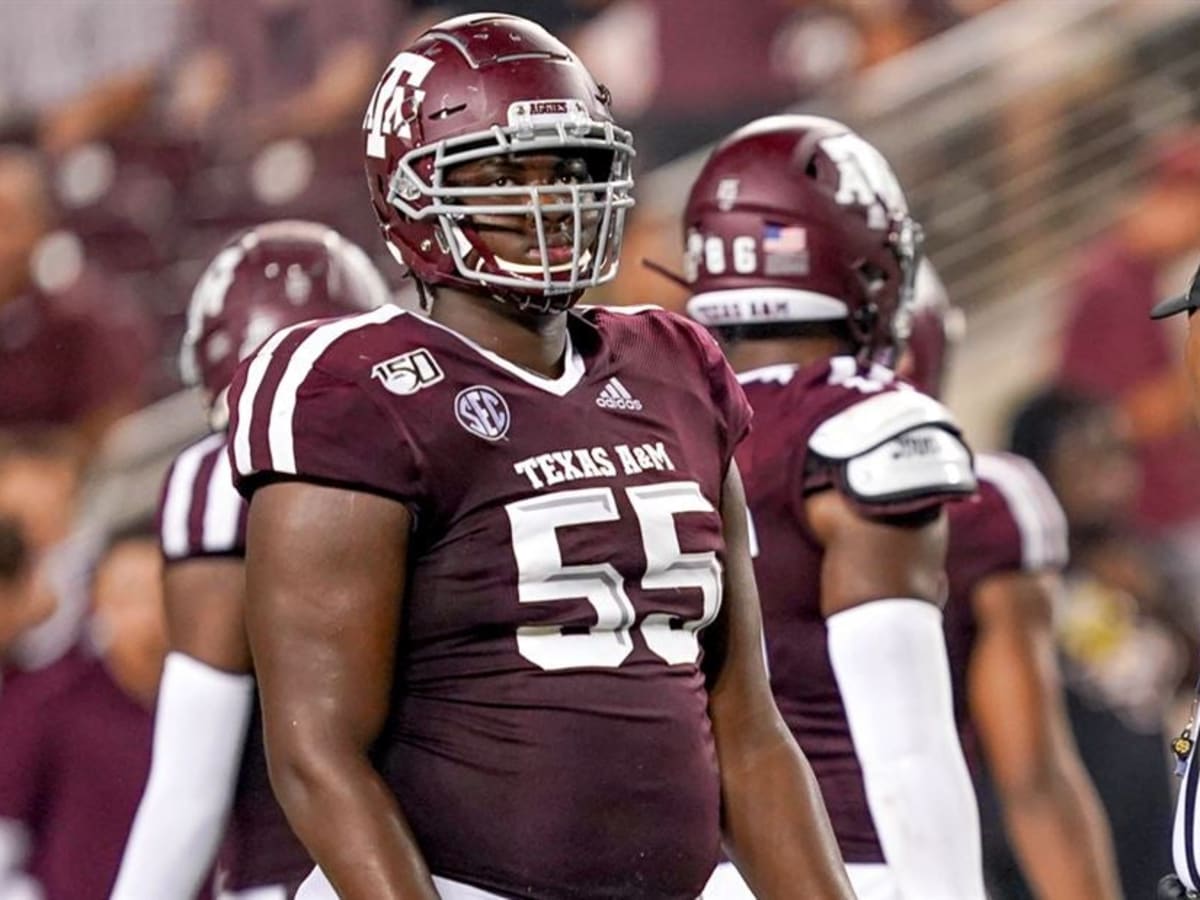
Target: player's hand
<point x="1171" y="888"/>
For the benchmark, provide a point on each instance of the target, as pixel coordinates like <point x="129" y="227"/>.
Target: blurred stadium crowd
<point x="1052" y="151"/>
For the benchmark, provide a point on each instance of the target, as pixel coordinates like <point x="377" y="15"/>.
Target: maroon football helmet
<point x="798" y="219"/>
<point x="263" y="279"/>
<point x="489" y="85"/>
<point x="935" y="329"/>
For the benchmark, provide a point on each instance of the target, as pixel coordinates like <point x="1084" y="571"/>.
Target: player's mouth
<point x="556" y="253"/>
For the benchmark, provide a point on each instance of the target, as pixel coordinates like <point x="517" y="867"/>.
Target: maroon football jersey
<point x="780" y="471"/>
<point x="74" y="754"/>
<point x="201" y="515"/>
<point x="1013" y="524"/>
<point x="549" y="736"/>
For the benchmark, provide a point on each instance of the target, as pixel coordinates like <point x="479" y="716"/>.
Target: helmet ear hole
<point x="863" y="322"/>
<point x="873" y="279"/>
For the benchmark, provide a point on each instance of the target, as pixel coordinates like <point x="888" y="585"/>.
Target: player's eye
<point x="572" y="174"/>
<point x="501" y="181"/>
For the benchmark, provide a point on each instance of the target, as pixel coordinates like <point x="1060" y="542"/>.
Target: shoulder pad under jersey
<point x="876" y="419"/>
<point x="896" y="447"/>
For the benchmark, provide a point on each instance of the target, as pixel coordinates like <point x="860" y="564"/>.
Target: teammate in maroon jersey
<point x="1185" y="848"/>
<point x="209" y="774"/>
<point x="1007" y="548"/>
<point x="500" y="597"/>
<point x="801" y="256"/>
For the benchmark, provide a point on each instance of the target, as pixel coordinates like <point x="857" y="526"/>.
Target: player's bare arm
<point x="1052" y="813"/>
<point x="773" y="818"/>
<point x="205" y="777"/>
<point x="870" y="559"/>
<point x="203" y="707"/>
<point x="205" y="600"/>
<point x="325" y="582"/>
<point x="881" y="582"/>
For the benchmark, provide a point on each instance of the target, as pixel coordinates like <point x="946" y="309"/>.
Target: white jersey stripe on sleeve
<point x="279" y="438"/>
<point x="223" y="510"/>
<point x="254" y="379"/>
<point x="177" y="503"/>
<point x="1038" y="515"/>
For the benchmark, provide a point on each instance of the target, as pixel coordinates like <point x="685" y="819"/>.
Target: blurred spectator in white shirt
<point x="77" y="70"/>
<point x="261" y="70"/>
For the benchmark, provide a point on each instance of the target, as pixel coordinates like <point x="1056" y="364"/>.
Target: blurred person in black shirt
<point x="1185" y="846"/>
<point x="1123" y="630"/>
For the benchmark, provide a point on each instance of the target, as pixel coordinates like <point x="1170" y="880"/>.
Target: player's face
<point x="1095" y="472"/>
<point x="515" y="237"/>
<point x="128" y="604"/>
<point x="24" y="602"/>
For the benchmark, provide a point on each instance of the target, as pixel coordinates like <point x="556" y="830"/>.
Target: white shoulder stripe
<point x="254" y="379"/>
<point x="631" y="310"/>
<point x="177" y="503"/>
<point x="223" y="509"/>
<point x="283" y="408"/>
<point x="1038" y="515"/>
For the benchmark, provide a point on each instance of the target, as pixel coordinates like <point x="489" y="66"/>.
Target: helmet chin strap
<point x="862" y="325"/>
<point x="538" y="303"/>
<point x="218" y="411"/>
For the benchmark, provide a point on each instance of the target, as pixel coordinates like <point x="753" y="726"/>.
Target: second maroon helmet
<point x="489" y="85"/>
<point x="936" y="329"/>
<point x="262" y="280"/>
<point x="798" y="219"/>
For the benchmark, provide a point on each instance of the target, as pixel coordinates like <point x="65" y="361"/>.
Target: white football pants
<point x="258" y="893"/>
<point x="871" y="881"/>
<point x="317" y="887"/>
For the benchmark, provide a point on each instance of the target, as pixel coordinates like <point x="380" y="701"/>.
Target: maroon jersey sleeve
<point x="300" y="409"/>
<point x="1014" y="524"/>
<point x="729" y="400"/>
<point x="200" y="513"/>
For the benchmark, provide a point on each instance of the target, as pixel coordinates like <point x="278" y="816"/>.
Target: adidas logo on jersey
<point x="615" y="396"/>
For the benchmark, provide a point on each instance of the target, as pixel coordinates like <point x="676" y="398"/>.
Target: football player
<point x="208" y="776"/>
<point x="1185" y="847"/>
<point x="500" y="596"/>
<point x="1007" y="548"/>
<point x="801" y="255"/>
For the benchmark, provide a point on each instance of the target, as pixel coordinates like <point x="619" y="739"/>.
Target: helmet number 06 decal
<point x="395" y="101"/>
<point x="606" y="641"/>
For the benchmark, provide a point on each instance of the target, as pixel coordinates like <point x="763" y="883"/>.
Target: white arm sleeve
<point x="889" y="657"/>
<point x="14" y="848"/>
<point x="199" y="732"/>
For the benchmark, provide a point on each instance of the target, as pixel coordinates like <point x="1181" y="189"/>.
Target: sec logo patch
<point x="483" y="412"/>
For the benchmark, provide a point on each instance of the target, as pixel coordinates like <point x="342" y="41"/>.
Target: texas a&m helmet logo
<point x="866" y="180"/>
<point x="395" y="102"/>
